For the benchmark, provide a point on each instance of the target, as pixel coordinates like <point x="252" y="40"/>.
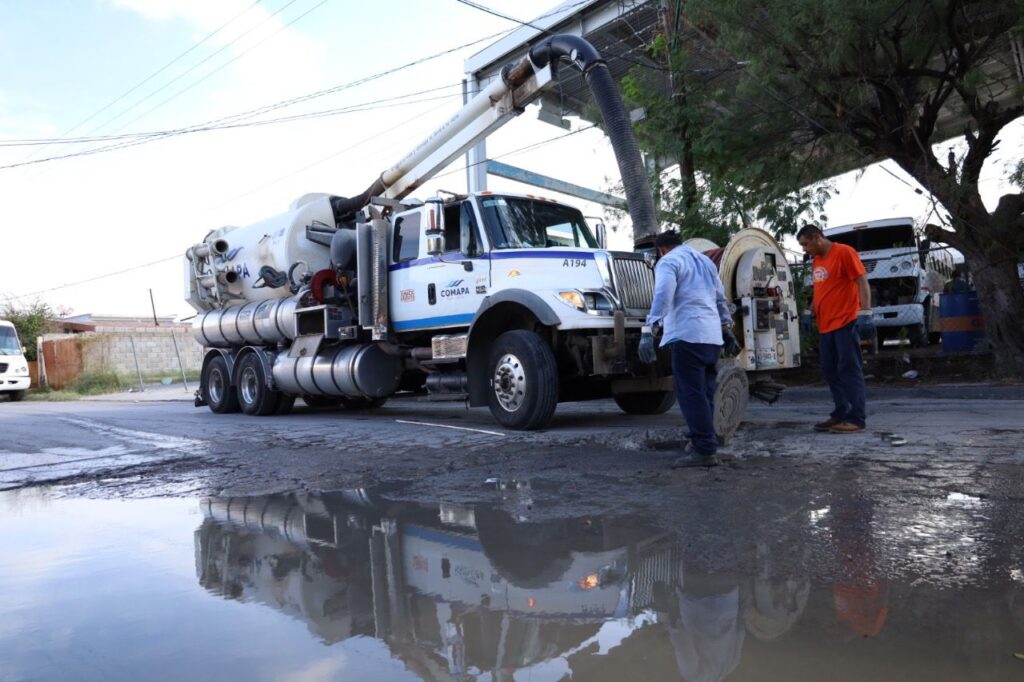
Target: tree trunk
<point x="1002" y="304"/>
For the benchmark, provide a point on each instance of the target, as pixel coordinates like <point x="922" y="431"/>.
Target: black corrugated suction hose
<point x="616" y="123"/>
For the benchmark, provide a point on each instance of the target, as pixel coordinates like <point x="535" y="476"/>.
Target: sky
<point x="87" y="68"/>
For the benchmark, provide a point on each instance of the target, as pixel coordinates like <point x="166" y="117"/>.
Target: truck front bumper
<point x="9" y="383"/>
<point x="899" y="315"/>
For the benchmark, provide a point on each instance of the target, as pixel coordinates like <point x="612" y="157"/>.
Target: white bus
<point x="906" y="274"/>
<point x="14" y="377"/>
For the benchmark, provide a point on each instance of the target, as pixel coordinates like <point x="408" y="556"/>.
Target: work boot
<point x="845" y="427"/>
<point x="692" y="458"/>
<point x="825" y="425"/>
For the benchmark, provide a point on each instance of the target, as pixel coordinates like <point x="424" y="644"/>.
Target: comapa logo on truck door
<point x="454" y="288"/>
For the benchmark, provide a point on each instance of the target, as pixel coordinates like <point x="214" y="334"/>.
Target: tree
<point x="31" y="321"/>
<point x="807" y="88"/>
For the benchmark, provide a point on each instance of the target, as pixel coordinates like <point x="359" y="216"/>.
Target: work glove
<point x="731" y="346"/>
<point x="865" y="324"/>
<point x="646" y="350"/>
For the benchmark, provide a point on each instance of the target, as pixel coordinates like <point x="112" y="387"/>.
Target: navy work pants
<point x="842" y="367"/>
<point x="694" y="368"/>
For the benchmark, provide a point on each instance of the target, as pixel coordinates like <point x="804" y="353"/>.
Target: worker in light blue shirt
<point x="689" y="304"/>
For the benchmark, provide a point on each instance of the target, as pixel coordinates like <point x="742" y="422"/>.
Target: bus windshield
<point x="9" y="341"/>
<point x="875" y="239"/>
<point x="521" y="223"/>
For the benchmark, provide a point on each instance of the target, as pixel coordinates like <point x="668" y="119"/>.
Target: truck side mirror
<point x="602" y="236"/>
<point x="435" y="242"/>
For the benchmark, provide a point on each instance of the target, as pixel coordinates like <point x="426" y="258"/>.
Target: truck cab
<point x="905" y="273"/>
<point x="14" y="375"/>
<point x="449" y="256"/>
<point x="517" y="299"/>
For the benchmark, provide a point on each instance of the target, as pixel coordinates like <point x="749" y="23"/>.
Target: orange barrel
<point x="963" y="327"/>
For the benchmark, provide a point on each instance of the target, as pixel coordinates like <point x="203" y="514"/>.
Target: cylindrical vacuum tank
<point x="279" y="242"/>
<point x="352" y="371"/>
<point x="257" y="323"/>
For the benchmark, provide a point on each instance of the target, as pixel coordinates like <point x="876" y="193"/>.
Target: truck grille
<point x="3" y="367"/>
<point x="634" y="281"/>
<point x="869" y="265"/>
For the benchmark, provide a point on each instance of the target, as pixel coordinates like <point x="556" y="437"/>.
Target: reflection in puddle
<point x="395" y="590"/>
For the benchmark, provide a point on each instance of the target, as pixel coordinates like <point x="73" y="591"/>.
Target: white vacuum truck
<point x="496" y="299"/>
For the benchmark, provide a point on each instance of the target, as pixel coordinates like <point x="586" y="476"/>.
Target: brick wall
<point x="109" y="349"/>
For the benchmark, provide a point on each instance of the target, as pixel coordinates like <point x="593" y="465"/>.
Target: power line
<point x="330" y="156"/>
<point x="145" y="138"/>
<point x="157" y="72"/>
<point x="93" y="279"/>
<point x="168" y="258"/>
<point x="363" y="106"/>
<point x="225" y="64"/>
<point x="267" y="108"/>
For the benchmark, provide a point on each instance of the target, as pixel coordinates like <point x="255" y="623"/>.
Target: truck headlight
<point x="586" y="301"/>
<point x="905" y="265"/>
<point x="21" y="370"/>
<point x="573" y="299"/>
<point x="596" y="301"/>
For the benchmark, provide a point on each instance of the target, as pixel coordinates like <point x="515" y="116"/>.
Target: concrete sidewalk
<point x="152" y="393"/>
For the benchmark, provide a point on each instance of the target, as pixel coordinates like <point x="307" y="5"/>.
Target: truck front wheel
<point x="215" y="387"/>
<point x="254" y="396"/>
<point x="523" y="381"/>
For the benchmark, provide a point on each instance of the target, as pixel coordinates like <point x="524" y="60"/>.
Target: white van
<point x="14" y="378"/>
<point x="906" y="274"/>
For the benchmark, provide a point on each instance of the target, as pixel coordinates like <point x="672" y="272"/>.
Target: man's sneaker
<point x="825" y="425"/>
<point x="695" y="459"/>
<point x="845" y="427"/>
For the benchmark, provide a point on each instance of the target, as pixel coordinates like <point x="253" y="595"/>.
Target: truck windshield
<point x="874" y="239"/>
<point x="519" y="223"/>
<point x="9" y="341"/>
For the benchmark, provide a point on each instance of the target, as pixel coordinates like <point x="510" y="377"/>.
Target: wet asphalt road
<point x="591" y="456"/>
<point x="831" y="539"/>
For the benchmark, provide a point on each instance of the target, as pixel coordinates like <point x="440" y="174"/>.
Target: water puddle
<point x="355" y="585"/>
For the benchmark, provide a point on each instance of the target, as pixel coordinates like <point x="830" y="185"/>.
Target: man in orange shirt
<point x="842" y="307"/>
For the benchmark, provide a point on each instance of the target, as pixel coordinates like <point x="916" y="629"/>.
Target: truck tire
<point x="648" y="402"/>
<point x="254" y="396"/>
<point x="523" y="381"/>
<point x="215" y="387"/>
<point x="918" y="335"/>
<point x="15" y="396"/>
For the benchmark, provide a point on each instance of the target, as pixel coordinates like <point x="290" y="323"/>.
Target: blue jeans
<point x="842" y="367"/>
<point x="694" y="368"/>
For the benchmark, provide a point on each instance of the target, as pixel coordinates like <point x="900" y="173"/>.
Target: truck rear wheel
<point x="215" y="387"/>
<point x="254" y="396"/>
<point x="648" y="402"/>
<point x="523" y="381"/>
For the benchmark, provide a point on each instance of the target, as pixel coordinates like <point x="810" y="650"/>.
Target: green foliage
<point x="43" y="395"/>
<point x="96" y="383"/>
<point x="763" y="99"/>
<point x="741" y="151"/>
<point x="31" y="321"/>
